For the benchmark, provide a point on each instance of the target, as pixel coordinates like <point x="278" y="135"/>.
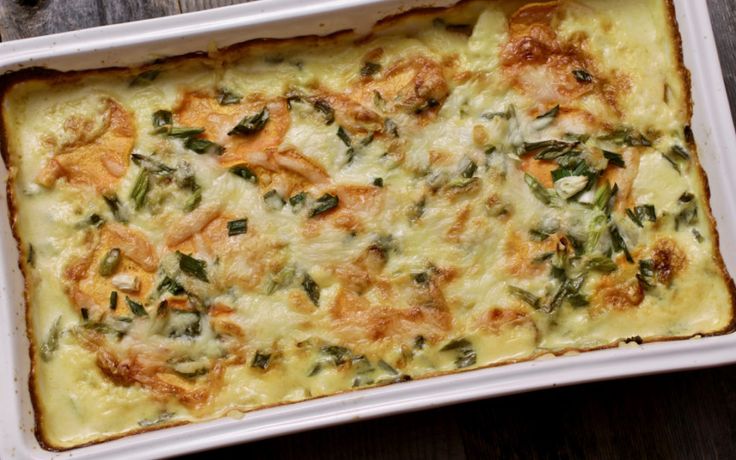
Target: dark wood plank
<point x="723" y="17"/>
<point x="198" y="5"/>
<point x="30" y="18"/>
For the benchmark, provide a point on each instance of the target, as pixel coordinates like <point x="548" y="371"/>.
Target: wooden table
<point x="684" y="415"/>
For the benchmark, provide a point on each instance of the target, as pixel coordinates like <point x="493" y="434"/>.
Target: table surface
<point x="683" y="415"/>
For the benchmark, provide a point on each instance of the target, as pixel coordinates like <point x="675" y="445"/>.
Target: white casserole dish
<point x="134" y="43"/>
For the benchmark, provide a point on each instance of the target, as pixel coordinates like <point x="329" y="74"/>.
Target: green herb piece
<point x="193" y="267"/>
<point x="465" y="354"/>
<point x="163" y="121"/>
<point x="618" y="242"/>
<point x="552" y="113"/>
<point x="420" y="342"/>
<point x="113" y="300"/>
<point x="614" y="158"/>
<point x="323" y="204"/>
<point x="151" y="165"/>
<point x="251" y="124"/>
<point x="525" y="296"/>
<point x="548" y="150"/>
<point x="698" y="237"/>
<point x="202" y="146"/>
<point x="145" y="78"/>
<point x="183" y="132"/>
<point x="110" y="262"/>
<point x="689" y="213"/>
<point x="671" y="161"/>
<point x="261" y="360"/>
<point x="282" y="279"/>
<point x="311" y="288"/>
<point x="420" y="278"/>
<point x="337" y="354"/>
<point x="646" y="275"/>
<point x="462" y="182"/>
<point x="273" y="200"/>
<point x="595" y="229"/>
<point x="344" y="136"/>
<point x="51" y="343"/>
<point x="582" y="76"/>
<point x="96" y="220"/>
<point x="569" y="288"/>
<point x="135" y="308"/>
<point x="680" y="152"/>
<point x="390" y="127"/>
<point x="416" y="211"/>
<point x="568" y="187"/>
<point x="194" y="200"/>
<point x="537" y="189"/>
<point x="31" y="257"/>
<point x="601" y="264"/>
<point x="165" y="416"/>
<point x="298" y="201"/>
<point x="369" y="68"/>
<point x="140" y="189"/>
<point x="116" y="208"/>
<point x="641" y="213"/>
<point x="627" y="136"/>
<point x="168" y="284"/>
<point x="237" y="227"/>
<point x="245" y="173"/>
<point x="387" y="367"/>
<point x="468" y="168"/>
<point x="227" y="97"/>
<point x="603" y="196"/>
<point x="378" y="182"/>
<point x="325" y="109"/>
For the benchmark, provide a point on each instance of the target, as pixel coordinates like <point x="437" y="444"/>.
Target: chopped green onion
<point x="390" y="127"/>
<point x="552" y="113"/>
<point x="671" y="161"/>
<point x="115" y="207"/>
<point x="537" y="189"/>
<point x="378" y="182"/>
<point x="193" y="267"/>
<point x="525" y="296"/>
<point x="614" y="158"/>
<point x="51" y="343"/>
<point x="646" y="275"/>
<point x="618" y="242"/>
<point x="311" y="288"/>
<point x="680" y="152"/>
<point x="162" y="121"/>
<point x="226" y="97"/>
<point x="582" y="76"/>
<point x="465" y="354"/>
<point x="369" y="68"/>
<point x="468" y="168"/>
<point x="113" y="300"/>
<point x="168" y="284"/>
<point x="145" y="78"/>
<point x="261" y="360"/>
<point x="244" y="172"/>
<point x="344" y="136"/>
<point x="182" y="132"/>
<point x="151" y="165"/>
<point x="601" y="264"/>
<point x="140" y="189"/>
<point x="273" y="200"/>
<point x="237" y="227"/>
<point x="194" y="200"/>
<point x="135" y="308"/>
<point x="201" y="146"/>
<point x="325" y="109"/>
<point x="251" y="124"/>
<point x="339" y="355"/>
<point x="110" y="262"/>
<point x="323" y="204"/>
<point x="297" y="201"/>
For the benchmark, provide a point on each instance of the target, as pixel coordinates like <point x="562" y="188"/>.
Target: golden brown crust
<point x="8" y="80"/>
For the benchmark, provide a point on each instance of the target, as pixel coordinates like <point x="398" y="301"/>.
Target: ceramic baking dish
<point x="135" y="43"/>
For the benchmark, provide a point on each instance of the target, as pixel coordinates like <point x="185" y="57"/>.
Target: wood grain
<point x="197" y="5"/>
<point x="673" y="416"/>
<point x="31" y="18"/>
<point x="723" y="17"/>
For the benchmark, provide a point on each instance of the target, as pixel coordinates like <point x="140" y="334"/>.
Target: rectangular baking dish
<point x="135" y="43"/>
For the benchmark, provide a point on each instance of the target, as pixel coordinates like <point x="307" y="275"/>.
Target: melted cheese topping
<point x="482" y="185"/>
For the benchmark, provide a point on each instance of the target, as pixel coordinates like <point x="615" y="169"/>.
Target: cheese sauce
<point x="478" y="185"/>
